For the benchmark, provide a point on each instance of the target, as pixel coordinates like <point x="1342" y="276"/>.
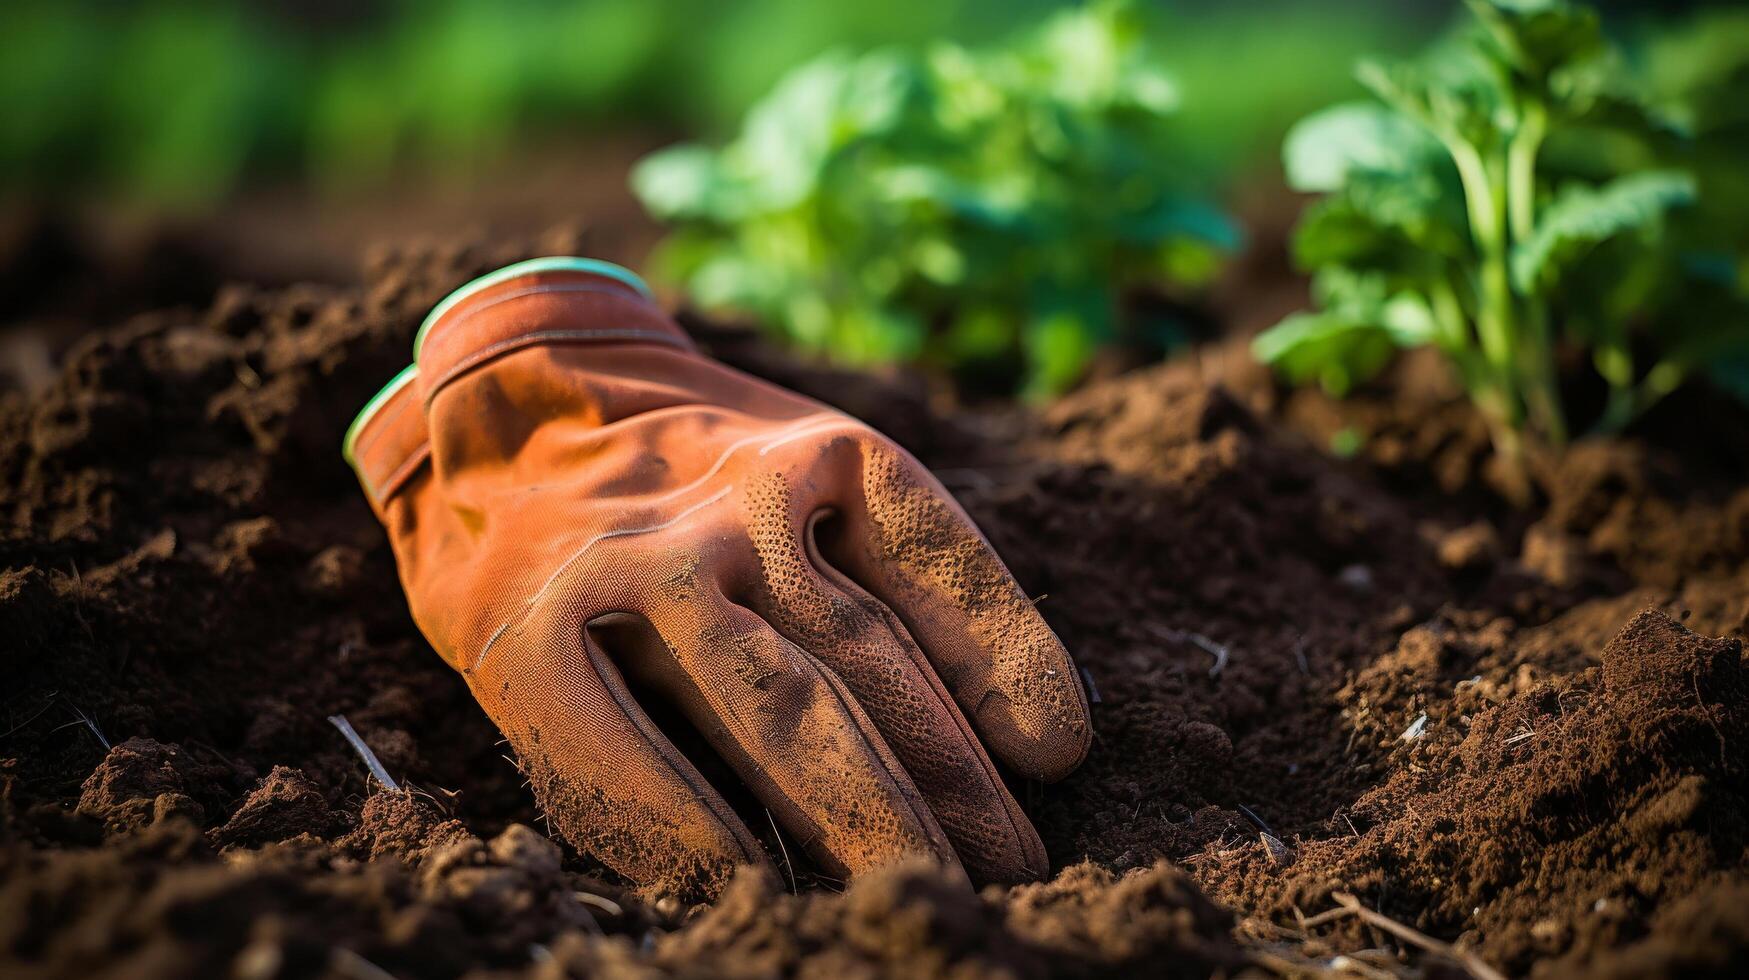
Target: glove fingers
<point x="901" y="536"/>
<point x="606" y="776"/>
<point x="865" y="644"/>
<point x="790" y="728"/>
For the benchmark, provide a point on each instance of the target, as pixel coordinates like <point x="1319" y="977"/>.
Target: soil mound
<point x="1547" y="827"/>
<point x="140" y="783"/>
<point x="912" y="921"/>
<point x="285" y="805"/>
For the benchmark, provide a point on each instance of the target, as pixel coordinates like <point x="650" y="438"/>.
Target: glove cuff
<point x="386" y="444"/>
<point x="555" y="300"/>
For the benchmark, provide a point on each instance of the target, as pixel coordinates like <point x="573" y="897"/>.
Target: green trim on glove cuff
<point x="371" y="407"/>
<point x="551" y="263"/>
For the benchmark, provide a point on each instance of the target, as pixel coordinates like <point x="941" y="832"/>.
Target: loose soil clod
<point x="183" y="547"/>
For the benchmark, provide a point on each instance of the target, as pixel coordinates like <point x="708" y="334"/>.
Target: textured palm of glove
<point x="581" y="505"/>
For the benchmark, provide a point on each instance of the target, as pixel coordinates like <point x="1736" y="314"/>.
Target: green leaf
<point x="1539" y="37"/>
<point x="1059" y="346"/>
<point x="1176" y="219"/>
<point x="1403" y="87"/>
<point x="1335" y="231"/>
<point x="1409" y="320"/>
<point x="815" y="112"/>
<point x="1325" y="150"/>
<point x="1336" y="351"/>
<point x="1379" y="299"/>
<point x="1410" y="226"/>
<point x="998" y="204"/>
<point x="1581" y="217"/>
<point x="681" y="181"/>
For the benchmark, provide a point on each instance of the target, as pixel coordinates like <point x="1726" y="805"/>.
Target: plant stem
<point x="1537" y="357"/>
<point x="1485" y="198"/>
<point x="1618" y="411"/>
<point x="1448" y="313"/>
<point x="1521" y="156"/>
<point x="1629" y="402"/>
<point x="1543" y="394"/>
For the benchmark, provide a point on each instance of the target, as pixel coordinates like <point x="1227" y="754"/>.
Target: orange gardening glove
<point x="582" y="505"/>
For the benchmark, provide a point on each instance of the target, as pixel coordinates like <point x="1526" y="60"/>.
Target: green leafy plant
<point x="961" y="207"/>
<point x="1506" y="196"/>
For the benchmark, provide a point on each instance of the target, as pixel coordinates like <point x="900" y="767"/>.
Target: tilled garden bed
<point x="1505" y="711"/>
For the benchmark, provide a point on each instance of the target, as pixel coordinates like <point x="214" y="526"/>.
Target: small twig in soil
<point x="447" y="801"/>
<point x="832" y="884"/>
<point x="79" y="601"/>
<point x="1707" y="710"/>
<point x="47" y="704"/>
<point x="1308" y="923"/>
<point x="787" y="867"/>
<point x="1280" y="854"/>
<point x="1208" y="646"/>
<point x="1351" y="906"/>
<point x="1354" y="966"/>
<point x="1285" y="966"/>
<point x="437" y="804"/>
<point x="601" y="902"/>
<point x="1415" y="729"/>
<point x="1219" y="653"/>
<point x="370" y="758"/>
<point x="1254" y="818"/>
<point x="81" y="718"/>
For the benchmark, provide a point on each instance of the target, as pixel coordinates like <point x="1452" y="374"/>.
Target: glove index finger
<point x="904" y="539"/>
<point x="606" y="775"/>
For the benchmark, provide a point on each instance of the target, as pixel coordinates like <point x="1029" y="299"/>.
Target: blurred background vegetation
<point x="181" y="101"/>
<point x="191" y="108"/>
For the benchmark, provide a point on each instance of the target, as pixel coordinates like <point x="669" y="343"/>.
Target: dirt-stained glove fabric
<point x="582" y="507"/>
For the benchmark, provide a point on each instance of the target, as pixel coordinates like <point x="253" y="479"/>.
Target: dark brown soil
<point x="1516" y="728"/>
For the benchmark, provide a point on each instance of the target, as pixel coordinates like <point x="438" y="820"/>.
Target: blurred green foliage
<point x="1698" y="72"/>
<point x="952" y="205"/>
<point x="178" y="100"/>
<point x="1517" y="188"/>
